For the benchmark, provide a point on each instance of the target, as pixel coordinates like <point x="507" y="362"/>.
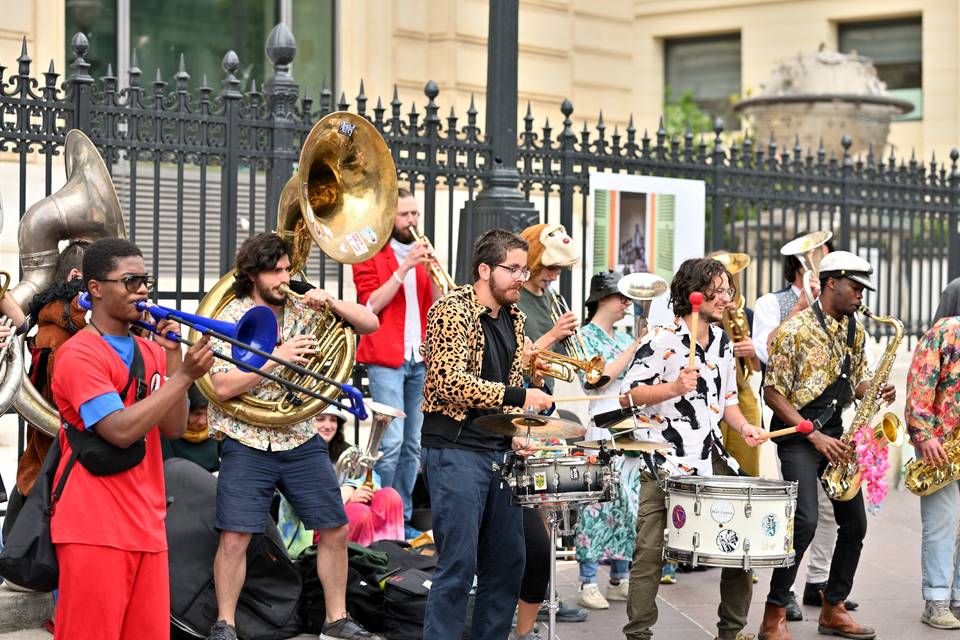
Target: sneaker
<point x="756" y="578"/>
<point x="564" y="613"/>
<point x="937" y="614"/>
<point x="346" y="629"/>
<point x="618" y="592"/>
<point x="668" y="574"/>
<point x="222" y="631"/>
<point x="955" y="610"/>
<point x="409" y="533"/>
<point x="533" y="635"/>
<point x="794" y="612"/>
<point x="741" y="636"/>
<point x="591" y="598"/>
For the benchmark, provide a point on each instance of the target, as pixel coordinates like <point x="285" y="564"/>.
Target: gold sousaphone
<point x="343" y="198"/>
<point x="735" y="316"/>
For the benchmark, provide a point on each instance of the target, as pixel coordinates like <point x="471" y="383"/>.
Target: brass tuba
<point x="808" y="249"/>
<point x="85" y="208"/>
<point x="343" y="198"/>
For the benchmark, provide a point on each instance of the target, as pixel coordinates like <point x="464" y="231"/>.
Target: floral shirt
<point x="804" y="360"/>
<point x="691" y="422"/>
<point x="933" y="383"/>
<point x="599" y="343"/>
<point x="297" y="319"/>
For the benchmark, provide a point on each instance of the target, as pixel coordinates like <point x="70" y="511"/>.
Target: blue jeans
<point x="478" y="531"/>
<point x="940" y="564"/>
<point x="619" y="569"/>
<point x="400" y="388"/>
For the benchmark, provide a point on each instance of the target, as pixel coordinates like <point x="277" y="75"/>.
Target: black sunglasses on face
<point x="133" y="283"/>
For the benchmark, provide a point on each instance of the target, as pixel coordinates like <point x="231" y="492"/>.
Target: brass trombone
<point x="563" y="367"/>
<point x="443" y="280"/>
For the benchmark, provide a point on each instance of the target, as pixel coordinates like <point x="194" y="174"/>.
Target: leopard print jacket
<point x="453" y="354"/>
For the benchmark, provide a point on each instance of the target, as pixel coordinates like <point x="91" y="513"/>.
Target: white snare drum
<point x="556" y="481"/>
<point x="730" y="521"/>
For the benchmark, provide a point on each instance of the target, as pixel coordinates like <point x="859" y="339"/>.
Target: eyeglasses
<point x="728" y="293"/>
<point x="517" y="273"/>
<point x="133" y="283"/>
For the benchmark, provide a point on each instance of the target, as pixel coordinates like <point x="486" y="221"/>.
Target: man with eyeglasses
<point x="474" y="351"/>
<point x="686" y="405"/>
<point x="255" y="461"/>
<point x="117" y="393"/>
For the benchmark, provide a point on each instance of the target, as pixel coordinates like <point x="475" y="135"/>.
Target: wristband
<point x="397" y="278"/>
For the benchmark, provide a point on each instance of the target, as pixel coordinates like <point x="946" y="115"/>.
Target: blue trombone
<point x="252" y="339"/>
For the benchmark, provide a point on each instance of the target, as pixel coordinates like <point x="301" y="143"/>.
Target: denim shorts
<point x="304" y="475"/>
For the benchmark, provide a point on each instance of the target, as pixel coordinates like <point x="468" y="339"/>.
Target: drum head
<point x="731" y="485"/>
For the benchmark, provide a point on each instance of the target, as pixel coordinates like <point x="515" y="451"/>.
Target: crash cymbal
<point x="517" y="424"/>
<point x="629" y="444"/>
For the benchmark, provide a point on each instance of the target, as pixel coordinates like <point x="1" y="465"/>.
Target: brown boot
<point x="774" y="625"/>
<point x="835" y="620"/>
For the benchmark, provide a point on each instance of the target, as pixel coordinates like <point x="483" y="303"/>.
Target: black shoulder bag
<point x="97" y="455"/>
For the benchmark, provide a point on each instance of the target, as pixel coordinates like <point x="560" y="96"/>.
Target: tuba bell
<point x="735" y="321"/>
<point x="85" y="208"/>
<point x="808" y="249"/>
<point x="343" y="199"/>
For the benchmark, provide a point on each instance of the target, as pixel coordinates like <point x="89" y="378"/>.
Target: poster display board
<point x="644" y="223"/>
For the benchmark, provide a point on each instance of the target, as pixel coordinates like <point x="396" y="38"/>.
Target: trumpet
<point x="563" y="367"/>
<point x="443" y="280"/>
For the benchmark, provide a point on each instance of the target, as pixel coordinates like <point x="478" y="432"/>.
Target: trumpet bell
<point x="642" y="286"/>
<point x="347" y="187"/>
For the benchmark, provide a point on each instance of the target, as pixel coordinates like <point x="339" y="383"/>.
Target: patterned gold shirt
<point x="297" y="319"/>
<point x="804" y="360"/>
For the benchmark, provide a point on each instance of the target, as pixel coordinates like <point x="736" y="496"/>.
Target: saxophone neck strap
<point x="841" y="389"/>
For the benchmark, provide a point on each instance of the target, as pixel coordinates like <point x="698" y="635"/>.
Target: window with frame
<point x="709" y="69"/>
<point x="896" y="48"/>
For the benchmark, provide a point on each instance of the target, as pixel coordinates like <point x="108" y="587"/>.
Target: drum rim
<point x="563" y="460"/>
<point x="730" y="486"/>
<point x="732" y="560"/>
<point x="572" y="496"/>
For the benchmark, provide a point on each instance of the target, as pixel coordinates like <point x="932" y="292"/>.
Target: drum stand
<point x="558" y="520"/>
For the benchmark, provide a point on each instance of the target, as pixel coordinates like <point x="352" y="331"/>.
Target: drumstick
<point x="804" y="427"/>
<point x="579" y="398"/>
<point x="696" y="299"/>
<point x="553" y="447"/>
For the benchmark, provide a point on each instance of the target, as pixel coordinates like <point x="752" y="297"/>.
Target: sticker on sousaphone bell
<point x="347" y="129"/>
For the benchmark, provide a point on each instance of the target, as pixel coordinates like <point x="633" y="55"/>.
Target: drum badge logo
<point x="769" y="525"/>
<point x="722" y="511"/>
<point x="574" y="473"/>
<point x="540" y="481"/>
<point x="727" y="540"/>
<point x="679" y="517"/>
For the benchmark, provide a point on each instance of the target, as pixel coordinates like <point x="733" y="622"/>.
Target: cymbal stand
<point x="558" y="520"/>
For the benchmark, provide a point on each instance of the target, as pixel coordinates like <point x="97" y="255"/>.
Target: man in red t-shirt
<point x="109" y="529"/>
<point x="395" y="285"/>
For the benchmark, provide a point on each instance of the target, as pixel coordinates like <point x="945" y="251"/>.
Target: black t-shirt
<point x="500" y="345"/>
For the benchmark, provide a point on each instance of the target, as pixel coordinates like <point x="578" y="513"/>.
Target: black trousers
<point x="799" y="461"/>
<point x="536" y="570"/>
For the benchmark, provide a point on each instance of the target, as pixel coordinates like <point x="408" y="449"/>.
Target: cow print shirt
<point x="691" y="423"/>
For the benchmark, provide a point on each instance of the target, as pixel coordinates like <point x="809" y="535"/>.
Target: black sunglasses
<point x="133" y="283"/>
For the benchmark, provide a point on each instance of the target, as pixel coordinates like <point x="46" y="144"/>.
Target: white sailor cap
<point x="843" y="264"/>
<point x="331" y="410"/>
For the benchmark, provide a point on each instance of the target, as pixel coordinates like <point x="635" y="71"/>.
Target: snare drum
<point x="730" y="521"/>
<point x="560" y="480"/>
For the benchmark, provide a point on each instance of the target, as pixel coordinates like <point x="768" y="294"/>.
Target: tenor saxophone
<point x="841" y="480"/>
<point x="923" y="478"/>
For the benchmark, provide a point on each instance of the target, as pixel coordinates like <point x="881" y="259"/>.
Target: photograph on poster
<point x="645" y="224"/>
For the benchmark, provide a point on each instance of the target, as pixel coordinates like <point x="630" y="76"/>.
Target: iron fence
<point x="198" y="169"/>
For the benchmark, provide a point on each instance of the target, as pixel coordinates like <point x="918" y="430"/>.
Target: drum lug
<point x="746" y="554"/>
<point x="788" y="509"/>
<point x="696" y="545"/>
<point x="748" y="508"/>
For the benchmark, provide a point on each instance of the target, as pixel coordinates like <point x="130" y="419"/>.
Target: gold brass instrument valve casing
<point x="441" y="279"/>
